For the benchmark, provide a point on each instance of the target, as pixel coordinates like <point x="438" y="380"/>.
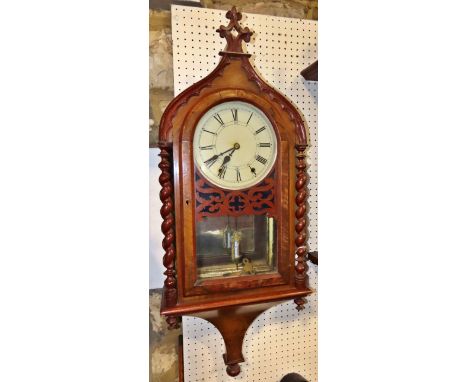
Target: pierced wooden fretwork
<point x="301" y="223"/>
<point x="234" y="40"/>
<point x="167" y="227"/>
<point x="212" y="201"/>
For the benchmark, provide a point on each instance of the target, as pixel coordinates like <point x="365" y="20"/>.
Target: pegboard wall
<point x="281" y="340"/>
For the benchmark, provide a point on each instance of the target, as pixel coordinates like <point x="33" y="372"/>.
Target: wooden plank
<point x="313" y="257"/>
<point x="181" y="358"/>
<point x="311" y="72"/>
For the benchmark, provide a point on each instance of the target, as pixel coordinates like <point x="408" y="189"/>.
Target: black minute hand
<point x="210" y="161"/>
<point x="224" y="152"/>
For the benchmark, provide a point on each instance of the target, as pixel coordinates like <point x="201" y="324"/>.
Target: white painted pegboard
<point x="280" y="340"/>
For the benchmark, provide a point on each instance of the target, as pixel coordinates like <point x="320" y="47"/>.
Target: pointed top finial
<point x="234" y="40"/>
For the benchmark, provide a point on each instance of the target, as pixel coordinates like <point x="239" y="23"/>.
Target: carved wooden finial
<point x="234" y="39"/>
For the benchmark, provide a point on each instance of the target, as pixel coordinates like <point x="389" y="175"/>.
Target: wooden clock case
<point x="231" y="304"/>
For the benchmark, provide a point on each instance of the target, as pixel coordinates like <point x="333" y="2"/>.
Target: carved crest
<point x="234" y="39"/>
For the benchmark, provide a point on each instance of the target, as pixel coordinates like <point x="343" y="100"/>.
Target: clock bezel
<point x="265" y="175"/>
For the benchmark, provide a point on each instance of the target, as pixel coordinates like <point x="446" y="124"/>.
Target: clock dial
<point x="234" y="145"/>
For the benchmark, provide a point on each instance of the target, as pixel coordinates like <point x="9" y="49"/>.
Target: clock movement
<point x="234" y="190"/>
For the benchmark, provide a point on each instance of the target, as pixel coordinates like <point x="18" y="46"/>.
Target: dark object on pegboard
<point x="166" y="4"/>
<point x="293" y="377"/>
<point x="181" y="358"/>
<point x="313" y="257"/>
<point x="311" y="72"/>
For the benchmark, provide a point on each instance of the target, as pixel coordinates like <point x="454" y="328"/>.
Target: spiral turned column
<point x="301" y="224"/>
<point x="167" y="227"/>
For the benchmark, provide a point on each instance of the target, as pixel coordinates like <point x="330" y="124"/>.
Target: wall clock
<point x="233" y="198"/>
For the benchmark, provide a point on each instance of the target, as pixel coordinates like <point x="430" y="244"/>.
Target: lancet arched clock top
<point x="234" y="197"/>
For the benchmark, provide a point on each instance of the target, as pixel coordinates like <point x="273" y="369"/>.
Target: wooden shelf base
<point x="232" y="323"/>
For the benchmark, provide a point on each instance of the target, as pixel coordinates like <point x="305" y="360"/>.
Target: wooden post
<point x="167" y="227"/>
<point x="301" y="223"/>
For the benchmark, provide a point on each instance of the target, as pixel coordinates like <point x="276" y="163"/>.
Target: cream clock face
<point x="234" y="145"/>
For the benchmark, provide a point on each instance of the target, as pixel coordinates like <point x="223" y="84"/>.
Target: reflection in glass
<point x="235" y="246"/>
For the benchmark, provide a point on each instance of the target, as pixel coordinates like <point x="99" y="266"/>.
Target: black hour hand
<point x="226" y="160"/>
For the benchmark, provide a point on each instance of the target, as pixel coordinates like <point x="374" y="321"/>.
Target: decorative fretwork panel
<point x="213" y="201"/>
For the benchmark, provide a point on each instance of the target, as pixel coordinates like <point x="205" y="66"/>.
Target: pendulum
<point x="235" y="246"/>
<point x="227" y="235"/>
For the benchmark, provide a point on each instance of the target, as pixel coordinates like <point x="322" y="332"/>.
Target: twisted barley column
<point x="301" y="223"/>
<point x="167" y="227"/>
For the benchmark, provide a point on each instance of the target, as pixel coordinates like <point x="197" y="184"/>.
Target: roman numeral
<point x="264" y="144"/>
<point x="207" y="131"/>
<point x="249" y="119"/>
<point x="222" y="172"/>
<point x="234" y="115"/>
<point x="218" y="118"/>
<point x="260" y="130"/>
<point x="239" y="179"/>
<point x="261" y="159"/>
<point x="210" y="147"/>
